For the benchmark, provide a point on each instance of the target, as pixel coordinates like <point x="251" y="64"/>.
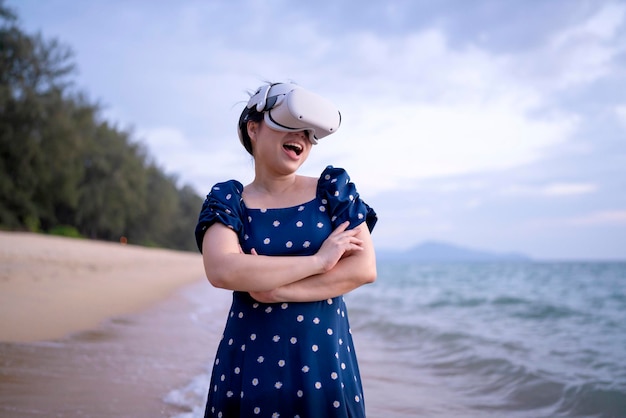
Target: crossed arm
<point x="345" y="261"/>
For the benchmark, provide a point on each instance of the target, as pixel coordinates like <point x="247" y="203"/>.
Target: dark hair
<point x="250" y="114"/>
<point x="246" y="116"/>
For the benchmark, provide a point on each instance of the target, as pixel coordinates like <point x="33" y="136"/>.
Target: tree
<point x="112" y="192"/>
<point x="61" y="165"/>
<point x="33" y="76"/>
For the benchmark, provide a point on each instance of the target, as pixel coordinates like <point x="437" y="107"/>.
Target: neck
<point x="274" y="185"/>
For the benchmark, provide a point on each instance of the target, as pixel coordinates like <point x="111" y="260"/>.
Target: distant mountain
<point x="433" y="251"/>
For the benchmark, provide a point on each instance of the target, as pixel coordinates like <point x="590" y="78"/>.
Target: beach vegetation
<point x="64" y="168"/>
<point x="65" y="231"/>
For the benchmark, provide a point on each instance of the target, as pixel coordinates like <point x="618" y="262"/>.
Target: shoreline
<point x="101" y="329"/>
<point x="127" y="366"/>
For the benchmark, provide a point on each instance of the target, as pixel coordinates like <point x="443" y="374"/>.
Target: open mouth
<point x="297" y="148"/>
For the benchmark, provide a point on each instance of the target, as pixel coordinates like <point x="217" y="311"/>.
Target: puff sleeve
<point x="341" y="198"/>
<point x="224" y="205"/>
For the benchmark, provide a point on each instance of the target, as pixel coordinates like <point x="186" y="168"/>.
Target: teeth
<point x="296" y="147"/>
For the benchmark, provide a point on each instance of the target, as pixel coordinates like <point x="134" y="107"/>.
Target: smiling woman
<point x="289" y="247"/>
<point x="289" y="108"/>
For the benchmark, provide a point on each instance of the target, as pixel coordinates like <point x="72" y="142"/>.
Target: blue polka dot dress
<point x="286" y="359"/>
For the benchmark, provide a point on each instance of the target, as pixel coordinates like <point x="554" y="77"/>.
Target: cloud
<point x="414" y="142"/>
<point x="204" y="168"/>
<point x="620" y="112"/>
<point x="605" y="218"/>
<point x="609" y="217"/>
<point x="568" y="189"/>
<point x="420" y="109"/>
<point x="414" y="107"/>
<point x="585" y="52"/>
<point x="553" y="189"/>
<point x="442" y="108"/>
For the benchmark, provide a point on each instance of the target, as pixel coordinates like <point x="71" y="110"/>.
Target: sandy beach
<point x="96" y="329"/>
<point x="92" y="329"/>
<point x="53" y="286"/>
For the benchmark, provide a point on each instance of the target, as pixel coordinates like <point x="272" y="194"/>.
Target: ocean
<point x="528" y="339"/>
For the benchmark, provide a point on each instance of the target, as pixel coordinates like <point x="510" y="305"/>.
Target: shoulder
<point x="331" y="171"/>
<point x="223" y="205"/>
<point x="332" y="180"/>
<point x="343" y="200"/>
<point x="227" y="194"/>
<point x="227" y="189"/>
<point x="224" y="198"/>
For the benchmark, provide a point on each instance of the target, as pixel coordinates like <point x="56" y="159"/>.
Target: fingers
<point x="355" y="244"/>
<point x="342" y="227"/>
<point x="348" y="236"/>
<point x="347" y="242"/>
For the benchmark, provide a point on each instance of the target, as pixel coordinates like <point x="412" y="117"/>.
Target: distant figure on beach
<point x="289" y="246"/>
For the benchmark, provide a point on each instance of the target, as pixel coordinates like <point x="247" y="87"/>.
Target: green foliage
<point x="32" y="223"/>
<point x="63" y="170"/>
<point x="65" y="231"/>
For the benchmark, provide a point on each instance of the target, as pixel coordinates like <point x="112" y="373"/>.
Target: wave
<point x="534" y="340"/>
<point x="191" y="398"/>
<point x="594" y="399"/>
<point x="496" y="376"/>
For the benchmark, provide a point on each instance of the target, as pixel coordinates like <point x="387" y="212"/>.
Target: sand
<point x="53" y="286"/>
<point x="95" y="329"/>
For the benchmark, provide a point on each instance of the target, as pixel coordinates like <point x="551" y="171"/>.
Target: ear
<point x="253" y="128"/>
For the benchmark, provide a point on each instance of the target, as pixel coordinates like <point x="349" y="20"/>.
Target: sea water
<point x="530" y="339"/>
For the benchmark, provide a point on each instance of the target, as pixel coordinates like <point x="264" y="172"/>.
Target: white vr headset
<point x="290" y="108"/>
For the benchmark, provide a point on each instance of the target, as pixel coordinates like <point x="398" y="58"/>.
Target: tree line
<point x="63" y="169"/>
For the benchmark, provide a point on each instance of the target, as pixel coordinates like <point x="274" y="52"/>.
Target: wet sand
<point x="92" y="329"/>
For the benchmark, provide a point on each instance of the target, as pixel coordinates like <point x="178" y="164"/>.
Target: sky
<point x="498" y="125"/>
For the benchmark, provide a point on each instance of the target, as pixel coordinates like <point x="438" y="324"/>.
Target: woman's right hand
<point x="338" y="243"/>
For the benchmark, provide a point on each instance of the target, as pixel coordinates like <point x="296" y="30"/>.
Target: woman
<point x="289" y="246"/>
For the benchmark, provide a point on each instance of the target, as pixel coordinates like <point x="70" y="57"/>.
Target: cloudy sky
<point x="494" y="124"/>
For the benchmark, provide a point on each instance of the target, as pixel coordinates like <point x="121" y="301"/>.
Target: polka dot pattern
<point x="286" y="359"/>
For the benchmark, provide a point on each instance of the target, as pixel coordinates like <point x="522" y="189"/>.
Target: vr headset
<point x="290" y="108"/>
